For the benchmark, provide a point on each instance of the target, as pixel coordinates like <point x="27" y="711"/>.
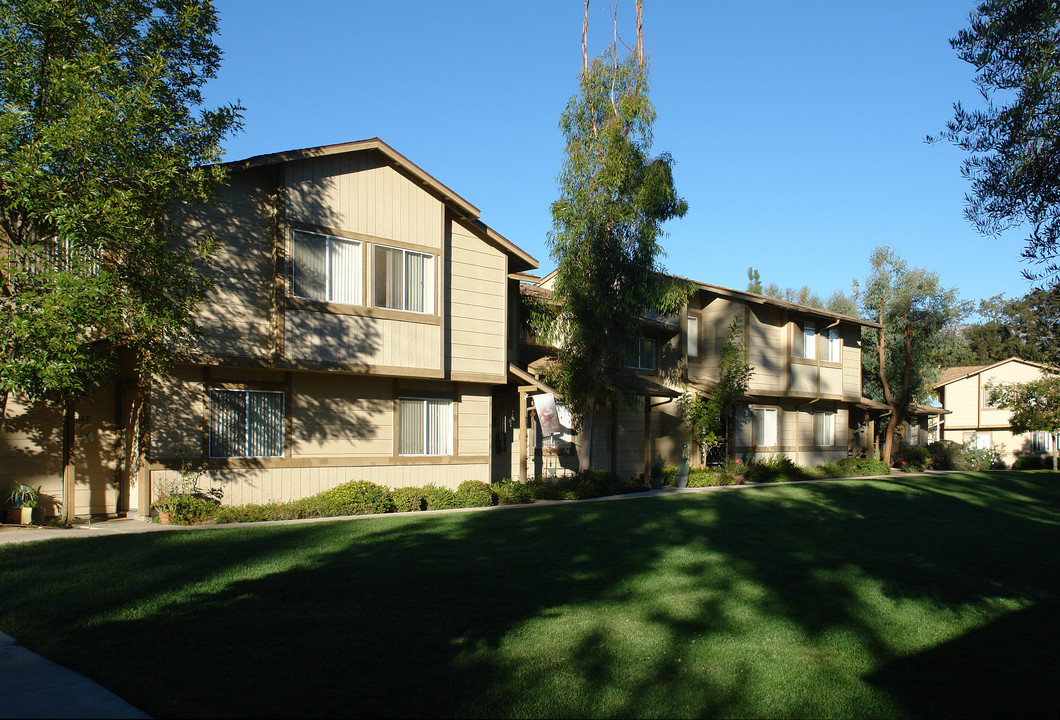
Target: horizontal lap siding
<point x="767" y="350"/>
<point x="234" y="314"/>
<point x="178" y="414"/>
<point x="341" y="416"/>
<point x="851" y="361"/>
<point x="476" y="276"/>
<point x="359" y="193"/>
<point x="360" y="339"/>
<point x="474" y="421"/>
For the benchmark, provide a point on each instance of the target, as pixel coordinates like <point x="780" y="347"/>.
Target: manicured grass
<point x="913" y="597"/>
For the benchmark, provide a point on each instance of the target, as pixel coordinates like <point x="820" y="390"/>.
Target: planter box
<point x="20" y="516"/>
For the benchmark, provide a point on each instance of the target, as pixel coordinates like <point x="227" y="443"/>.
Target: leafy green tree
<point x="900" y="361"/>
<point x="102" y="138"/>
<point x="614" y="197"/>
<point x="1035" y="406"/>
<point x="1014" y="142"/>
<point x="708" y="415"/>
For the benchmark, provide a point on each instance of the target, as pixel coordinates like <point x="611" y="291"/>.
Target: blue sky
<point x="797" y="127"/>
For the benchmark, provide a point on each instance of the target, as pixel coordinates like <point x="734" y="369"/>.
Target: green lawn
<point x="915" y="597"/>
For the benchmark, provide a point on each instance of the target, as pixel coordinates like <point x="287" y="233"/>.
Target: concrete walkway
<point x="32" y="687"/>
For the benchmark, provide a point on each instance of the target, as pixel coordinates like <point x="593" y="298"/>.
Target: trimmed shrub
<point x="510" y="492"/>
<point x="946" y="455"/>
<point x="358" y="497"/>
<point x="439" y="498"/>
<point x="774" y="468"/>
<point x="475" y="493"/>
<point x="263" y="513"/>
<point x="187" y="509"/>
<point x="408" y="499"/>
<point x="914" y="457"/>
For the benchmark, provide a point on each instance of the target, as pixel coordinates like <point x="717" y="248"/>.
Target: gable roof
<point x="455" y="202"/>
<point x="960" y="372"/>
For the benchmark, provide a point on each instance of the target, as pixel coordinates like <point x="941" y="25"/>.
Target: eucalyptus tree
<point x="614" y="196"/>
<point x="102" y="136"/>
<point x="900" y="360"/>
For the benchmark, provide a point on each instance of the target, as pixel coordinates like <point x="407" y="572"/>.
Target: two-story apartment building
<point x="804" y="399"/>
<point x="357" y="328"/>
<point x="974" y="419"/>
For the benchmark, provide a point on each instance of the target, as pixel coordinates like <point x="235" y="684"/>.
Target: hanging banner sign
<point x="545" y="405"/>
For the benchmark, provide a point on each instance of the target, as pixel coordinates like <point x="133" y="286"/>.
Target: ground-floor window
<point x="765" y="427"/>
<point x="977" y="440"/>
<point x="824" y="429"/>
<point x="246" y="423"/>
<point x="425" y="426"/>
<point x="912" y="436"/>
<point x="1041" y="441"/>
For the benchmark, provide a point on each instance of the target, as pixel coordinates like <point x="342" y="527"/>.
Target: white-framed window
<point x="1041" y="441"/>
<point x="977" y="440"/>
<point x="327" y="268"/>
<point x="404" y="280"/>
<point x="912" y="433"/>
<point x="986" y="398"/>
<point x="246" y="423"/>
<point x="640" y="353"/>
<point x="835" y="346"/>
<point x="765" y="427"/>
<point x="804" y="341"/>
<point x="824" y="428"/>
<point x="425" y="426"/>
<point x="692" y="336"/>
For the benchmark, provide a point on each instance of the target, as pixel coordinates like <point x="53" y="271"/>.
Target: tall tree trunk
<point x="585" y="448"/>
<point x="585" y="38"/>
<point x="3" y="410"/>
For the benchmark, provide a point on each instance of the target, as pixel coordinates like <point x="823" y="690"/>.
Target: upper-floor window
<point x="835" y="346"/>
<point x="246" y="423"/>
<point x="404" y="280"/>
<point x="327" y="268"/>
<point x="987" y="402"/>
<point x="804" y="341"/>
<point x="640" y="354"/>
<point x="824" y="429"/>
<point x="692" y="336"/>
<point x="425" y="426"/>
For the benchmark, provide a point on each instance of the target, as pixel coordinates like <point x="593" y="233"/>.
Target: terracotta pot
<point x="737" y="479"/>
<point x="164" y="517"/>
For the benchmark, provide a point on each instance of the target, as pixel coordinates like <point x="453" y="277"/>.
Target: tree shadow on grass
<point x="730" y="603"/>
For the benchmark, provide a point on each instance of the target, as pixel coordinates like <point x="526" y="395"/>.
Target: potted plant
<point x="24" y="500"/>
<point x="682" y="469"/>
<point x="657" y="473"/>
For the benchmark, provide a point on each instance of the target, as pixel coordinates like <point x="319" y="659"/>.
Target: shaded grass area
<point x="914" y="597"/>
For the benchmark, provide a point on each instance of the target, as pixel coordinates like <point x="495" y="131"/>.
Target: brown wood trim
<point x="331" y="308"/>
<point x="481" y="378"/>
<point x="360" y="237"/>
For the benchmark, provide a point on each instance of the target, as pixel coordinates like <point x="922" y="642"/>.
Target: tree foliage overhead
<point x="900" y="361"/>
<point x="1014" y="142"/>
<point x="102" y="135"/>
<point x="607" y="225"/>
